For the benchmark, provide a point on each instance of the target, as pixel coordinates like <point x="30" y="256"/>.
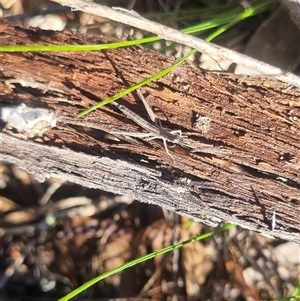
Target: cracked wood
<point x="246" y="164"/>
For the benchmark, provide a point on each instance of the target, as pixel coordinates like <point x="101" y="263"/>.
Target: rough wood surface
<point x="247" y="164"/>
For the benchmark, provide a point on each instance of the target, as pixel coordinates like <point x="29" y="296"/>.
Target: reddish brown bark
<point x="247" y="163"/>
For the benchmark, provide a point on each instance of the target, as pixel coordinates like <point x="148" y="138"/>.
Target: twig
<point x="176" y="36"/>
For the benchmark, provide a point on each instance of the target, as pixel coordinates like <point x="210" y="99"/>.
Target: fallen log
<point x="244" y="162"/>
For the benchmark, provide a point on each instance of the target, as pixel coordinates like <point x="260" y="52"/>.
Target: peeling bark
<point x="246" y="160"/>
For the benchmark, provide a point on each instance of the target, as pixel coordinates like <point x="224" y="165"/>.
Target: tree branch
<point x="246" y="163"/>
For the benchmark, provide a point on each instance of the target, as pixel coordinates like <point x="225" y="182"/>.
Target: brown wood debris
<point x="245" y="131"/>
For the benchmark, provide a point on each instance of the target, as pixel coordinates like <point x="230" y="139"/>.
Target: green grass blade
<point x="296" y="293"/>
<point x="190" y="14"/>
<point x="237" y="14"/>
<point x="143" y="259"/>
<point x="136" y="86"/>
<point x="205" y="25"/>
<point x="225" y="18"/>
<point x="73" y="48"/>
<point x="245" y="14"/>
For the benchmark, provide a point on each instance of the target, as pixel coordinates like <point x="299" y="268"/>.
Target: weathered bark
<point x="247" y="161"/>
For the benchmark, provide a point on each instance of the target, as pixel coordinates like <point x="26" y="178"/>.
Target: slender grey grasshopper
<point x="155" y="131"/>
